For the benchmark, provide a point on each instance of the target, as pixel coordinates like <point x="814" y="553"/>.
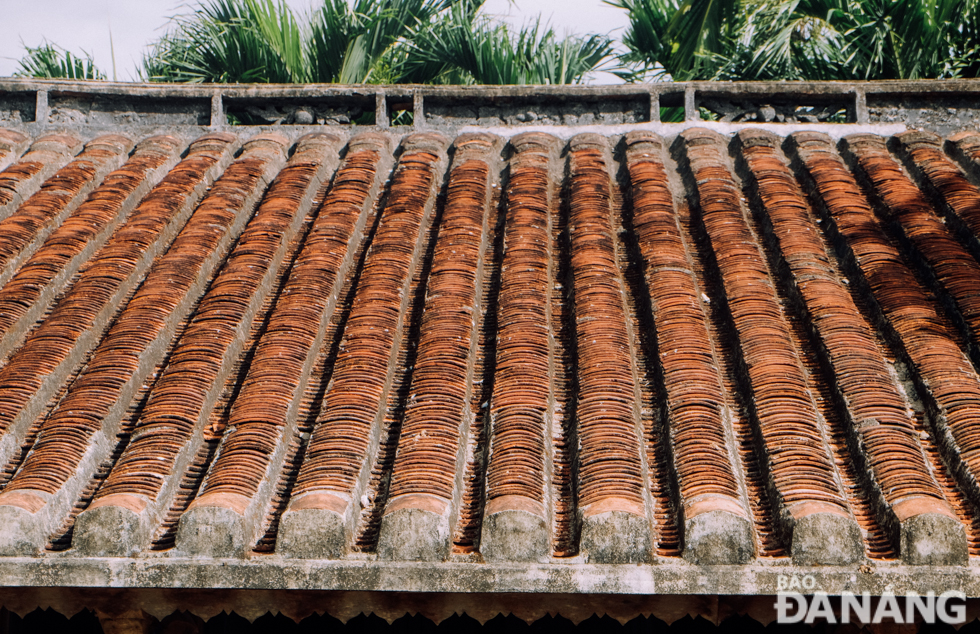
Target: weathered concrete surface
<point x="365" y="573"/>
<point x="933" y="539"/>
<point x="313" y="533"/>
<point x="516" y="536"/>
<point x="616" y="537"/>
<point x="108" y="531"/>
<point x="19" y="534"/>
<point x="718" y="537"/>
<point x="670" y="130"/>
<point x="213" y="531"/>
<point x="412" y="534"/>
<point x="826" y="539"/>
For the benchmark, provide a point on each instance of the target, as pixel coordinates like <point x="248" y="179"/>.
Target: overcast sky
<point x="76" y="25"/>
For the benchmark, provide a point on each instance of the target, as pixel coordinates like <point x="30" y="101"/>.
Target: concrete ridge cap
<point x="149" y="89"/>
<point x="757" y="577"/>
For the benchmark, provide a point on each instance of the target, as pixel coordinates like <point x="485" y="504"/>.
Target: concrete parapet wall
<point x="939" y="106"/>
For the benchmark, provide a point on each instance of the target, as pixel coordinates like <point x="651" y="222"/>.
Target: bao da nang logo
<point x="799" y="601"/>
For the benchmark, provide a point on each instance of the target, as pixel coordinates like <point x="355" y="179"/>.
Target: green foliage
<point x="228" y="41"/>
<point x="466" y="47"/>
<point x="365" y="41"/>
<point x="52" y="62"/>
<point x="350" y="44"/>
<point x="263" y="41"/>
<point x="801" y="39"/>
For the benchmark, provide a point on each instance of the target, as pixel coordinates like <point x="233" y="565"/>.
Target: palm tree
<point x="49" y="61"/>
<point x="802" y="39"/>
<point x="667" y="42"/>
<point x="355" y="43"/>
<point x="361" y="41"/>
<point x="466" y="47"/>
<point x="262" y="41"/>
<point x="223" y="41"/>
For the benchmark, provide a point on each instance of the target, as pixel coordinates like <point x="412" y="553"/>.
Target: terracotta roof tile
<point x="549" y="348"/>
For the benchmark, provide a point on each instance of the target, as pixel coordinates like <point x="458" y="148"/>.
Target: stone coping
<point x="572" y="577"/>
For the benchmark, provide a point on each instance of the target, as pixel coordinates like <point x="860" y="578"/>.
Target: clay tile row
<point x="611" y="349"/>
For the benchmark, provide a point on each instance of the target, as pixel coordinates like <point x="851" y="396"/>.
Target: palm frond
<point x="348" y="42"/>
<point x="49" y="61"/>
<point x="228" y="41"/>
<point x="709" y="22"/>
<point x="649" y="48"/>
<point x="466" y="46"/>
<point x="358" y="41"/>
<point x="801" y="39"/>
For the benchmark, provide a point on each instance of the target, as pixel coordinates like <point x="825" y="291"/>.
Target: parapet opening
<point x="401" y="111"/>
<point x="333" y="111"/>
<point x="672" y="106"/>
<point x="77" y="108"/>
<point x="18" y="107"/>
<point x="538" y="109"/>
<point x="776" y="107"/>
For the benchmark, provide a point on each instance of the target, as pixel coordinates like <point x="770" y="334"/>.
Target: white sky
<point x="77" y="25"/>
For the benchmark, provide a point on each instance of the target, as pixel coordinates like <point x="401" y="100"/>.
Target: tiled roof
<point x="677" y="346"/>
